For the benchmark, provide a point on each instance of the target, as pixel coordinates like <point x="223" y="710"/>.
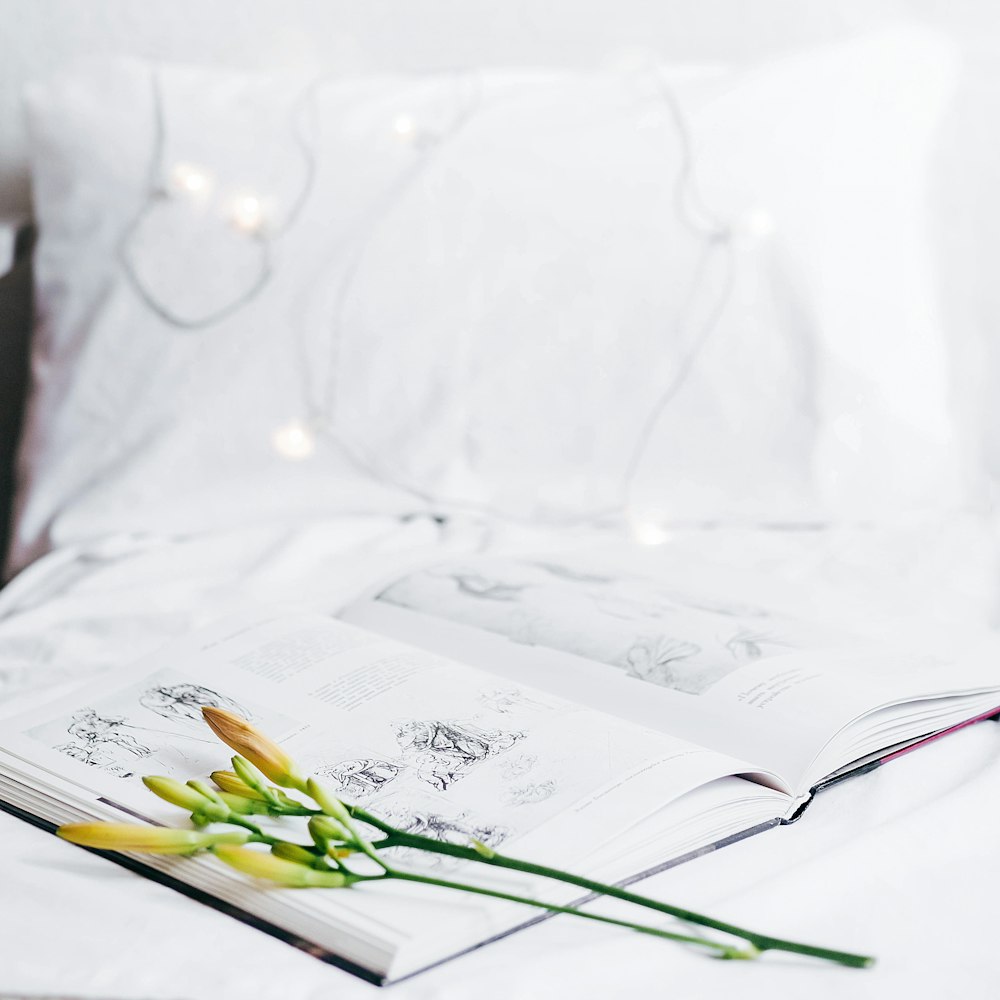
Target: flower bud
<point x="243" y="806"/>
<point x="146" y="839"/>
<point x="293" y="852"/>
<point x="231" y="782"/>
<point x="279" y="870"/>
<point x="329" y="803"/>
<point x="262" y="752"/>
<point x="483" y="850"/>
<point x="174" y="792"/>
<point x="323" y="829"/>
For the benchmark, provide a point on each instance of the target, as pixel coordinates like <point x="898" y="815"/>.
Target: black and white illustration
<point x="649" y="631"/>
<point x="506" y="701"/>
<point x="518" y="766"/>
<point x="184" y="702"/>
<point x="450" y="826"/>
<point x="531" y="792"/>
<point x="154" y="726"/>
<point x="444" y="751"/>
<point x="360" y="778"/>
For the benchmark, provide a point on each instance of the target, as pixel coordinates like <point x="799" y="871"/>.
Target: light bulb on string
<point x="247" y="213"/>
<point x="295" y="441"/>
<point x="404" y="127"/>
<point x="190" y="180"/>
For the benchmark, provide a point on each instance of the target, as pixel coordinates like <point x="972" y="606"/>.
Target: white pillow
<point x="478" y="288"/>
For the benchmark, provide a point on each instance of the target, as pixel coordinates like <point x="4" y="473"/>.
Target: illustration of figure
<point x="526" y="795"/>
<point x="443" y="751"/>
<point x="749" y="645"/>
<point x="519" y="766"/>
<point x="94" y="730"/>
<point x="438" y="774"/>
<point x="362" y="777"/>
<point x="184" y="702"/>
<point x="96" y="756"/>
<point x="459" y="830"/>
<point x="654" y="659"/>
<point x="654" y="631"/>
<point x="504" y="701"/>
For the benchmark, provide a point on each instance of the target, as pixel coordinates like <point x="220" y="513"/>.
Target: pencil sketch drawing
<point x="156" y="719"/>
<point x="646" y="629"/>
<point x="184" y="702"/>
<point x="360" y="778"/>
<point x="102" y="741"/>
<point x="443" y="751"/>
<point x="96" y="756"/>
<point x="517" y="767"/>
<point x="504" y="701"/>
<point x="459" y="829"/>
<point x="531" y="793"/>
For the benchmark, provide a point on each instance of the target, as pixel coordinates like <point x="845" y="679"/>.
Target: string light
<point x="404" y="127"/>
<point x="186" y="178"/>
<point x="295" y="441"/>
<point x="247" y="213"/>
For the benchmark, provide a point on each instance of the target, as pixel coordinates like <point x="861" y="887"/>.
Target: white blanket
<point x="900" y="863"/>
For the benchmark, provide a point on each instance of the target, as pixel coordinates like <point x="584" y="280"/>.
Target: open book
<point x="578" y="716"/>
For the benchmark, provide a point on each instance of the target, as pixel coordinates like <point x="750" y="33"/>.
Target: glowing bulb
<point x="247" y="213"/>
<point x="188" y="179"/>
<point x="294" y="441"/>
<point x="404" y="127"/>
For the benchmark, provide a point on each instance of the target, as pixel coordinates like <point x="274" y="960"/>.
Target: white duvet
<point x="902" y="862"/>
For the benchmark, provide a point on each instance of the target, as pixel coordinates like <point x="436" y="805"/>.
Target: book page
<point x="729" y="673"/>
<point x="432" y="746"/>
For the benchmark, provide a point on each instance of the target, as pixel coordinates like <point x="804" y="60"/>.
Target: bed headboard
<point x="15" y="328"/>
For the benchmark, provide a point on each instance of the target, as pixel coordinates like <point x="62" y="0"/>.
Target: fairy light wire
<point x="688" y="206"/>
<point x="158" y="184"/>
<point x="687" y="202"/>
<point x="431" y="149"/>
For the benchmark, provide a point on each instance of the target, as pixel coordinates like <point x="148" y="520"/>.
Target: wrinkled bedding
<point x="901" y="862"/>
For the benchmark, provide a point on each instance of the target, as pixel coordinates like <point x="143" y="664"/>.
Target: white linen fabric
<point x="480" y="290"/>
<point x="898" y="862"/>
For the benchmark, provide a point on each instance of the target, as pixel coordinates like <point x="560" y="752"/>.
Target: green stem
<point x="237" y="820"/>
<point x="721" y="950"/>
<point x="263" y="838"/>
<point x="762" y="942"/>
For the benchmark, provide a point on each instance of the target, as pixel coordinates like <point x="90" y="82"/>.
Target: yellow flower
<point x="189" y="797"/>
<point x="262" y="752"/>
<point x="231" y="782"/>
<point x="175" y="792"/>
<point x="145" y="839"/>
<point x="274" y="869"/>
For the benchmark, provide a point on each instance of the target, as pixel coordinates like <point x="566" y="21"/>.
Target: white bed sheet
<point x="901" y="862"/>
